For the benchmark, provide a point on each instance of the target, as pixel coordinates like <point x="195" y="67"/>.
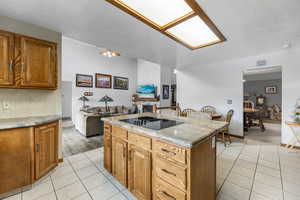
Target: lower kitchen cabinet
<point x="119" y="160"/>
<point x="26" y="155"/>
<point x="139" y="172"/>
<point x="46" y="151"/>
<point x="107" y="151"/>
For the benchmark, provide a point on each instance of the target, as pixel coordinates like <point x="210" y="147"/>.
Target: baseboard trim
<point x="60" y="160"/>
<point x="295" y="147"/>
<point x="237" y="136"/>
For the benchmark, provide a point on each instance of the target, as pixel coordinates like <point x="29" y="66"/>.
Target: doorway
<point x="262" y="91"/>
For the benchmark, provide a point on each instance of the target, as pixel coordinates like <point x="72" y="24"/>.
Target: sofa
<point x="88" y="121"/>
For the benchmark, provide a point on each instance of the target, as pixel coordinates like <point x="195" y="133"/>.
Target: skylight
<point x="181" y="20"/>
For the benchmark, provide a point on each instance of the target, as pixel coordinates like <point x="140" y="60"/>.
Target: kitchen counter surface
<point x="187" y="134"/>
<point x="27" y="121"/>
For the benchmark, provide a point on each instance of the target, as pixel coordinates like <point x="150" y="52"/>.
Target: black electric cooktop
<point x="152" y="123"/>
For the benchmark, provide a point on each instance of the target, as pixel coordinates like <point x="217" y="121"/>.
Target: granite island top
<point x="187" y="134"/>
<point x="27" y="121"/>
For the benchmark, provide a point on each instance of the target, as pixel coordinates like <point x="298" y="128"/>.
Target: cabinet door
<point x="139" y="172"/>
<point x="119" y="160"/>
<point x="38" y="66"/>
<point x="107" y="151"/>
<point x="46" y="149"/>
<point x="6" y="58"/>
<point x="16" y="155"/>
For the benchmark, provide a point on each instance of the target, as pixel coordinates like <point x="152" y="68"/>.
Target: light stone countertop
<point x="187" y="134"/>
<point x="27" y="121"/>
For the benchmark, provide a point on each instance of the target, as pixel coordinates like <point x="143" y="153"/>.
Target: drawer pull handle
<point x="167" y="196"/>
<point x="168" y="152"/>
<point x="168" y="172"/>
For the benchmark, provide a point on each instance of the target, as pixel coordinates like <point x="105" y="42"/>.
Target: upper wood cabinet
<point x="38" y="63"/>
<point x="139" y="172"/>
<point x="46" y="148"/>
<point x="6" y="58"/>
<point x="27" y="62"/>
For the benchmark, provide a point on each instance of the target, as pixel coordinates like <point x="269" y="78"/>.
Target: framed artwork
<point x="271" y="90"/>
<point x="121" y="83"/>
<point x="166" y="92"/>
<point x="83" y="80"/>
<point x="102" y="81"/>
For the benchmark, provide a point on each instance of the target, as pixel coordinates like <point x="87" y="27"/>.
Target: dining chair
<point x="199" y="115"/>
<point x="248" y="104"/>
<point x="186" y="111"/>
<point x="208" y="109"/>
<point x="225" y="131"/>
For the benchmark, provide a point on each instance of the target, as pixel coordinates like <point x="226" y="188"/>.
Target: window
<point x="181" y="20"/>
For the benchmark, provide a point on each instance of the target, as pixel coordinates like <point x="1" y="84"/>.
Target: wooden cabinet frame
<point x="21" y="75"/>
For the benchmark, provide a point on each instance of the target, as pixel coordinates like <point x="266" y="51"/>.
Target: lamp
<point x="106" y="99"/>
<point x="83" y="99"/>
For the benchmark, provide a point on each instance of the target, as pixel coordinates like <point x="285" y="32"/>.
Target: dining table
<point x="251" y="114"/>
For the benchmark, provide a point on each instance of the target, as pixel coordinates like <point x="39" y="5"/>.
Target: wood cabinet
<point x="107" y="147"/>
<point x="139" y="172"/>
<point x="6" y="58"/>
<point x="27" y="62"/>
<point x="119" y="160"/>
<point x="46" y="151"/>
<point x="16" y="158"/>
<point x="155" y="169"/>
<point x="26" y="155"/>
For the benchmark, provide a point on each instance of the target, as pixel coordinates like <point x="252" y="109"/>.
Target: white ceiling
<point x="250" y="26"/>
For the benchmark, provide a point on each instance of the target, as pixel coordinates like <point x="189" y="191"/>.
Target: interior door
<point x="139" y="172"/>
<point x="119" y="162"/>
<point x="46" y="149"/>
<point x="6" y="58"/>
<point x="38" y="67"/>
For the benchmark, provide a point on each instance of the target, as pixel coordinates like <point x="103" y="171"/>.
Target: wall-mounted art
<point x="83" y="80"/>
<point x="166" y="92"/>
<point x="102" y="81"/>
<point x="271" y="90"/>
<point x="121" y="83"/>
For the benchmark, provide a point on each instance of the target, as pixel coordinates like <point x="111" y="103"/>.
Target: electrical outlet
<point x="5" y="105"/>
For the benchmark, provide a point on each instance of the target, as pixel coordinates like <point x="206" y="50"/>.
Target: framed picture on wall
<point x="271" y="89"/>
<point x="83" y="80"/>
<point x="166" y="92"/>
<point x="102" y="80"/>
<point x="121" y="83"/>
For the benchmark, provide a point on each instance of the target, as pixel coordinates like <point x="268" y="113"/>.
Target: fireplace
<point x="147" y="108"/>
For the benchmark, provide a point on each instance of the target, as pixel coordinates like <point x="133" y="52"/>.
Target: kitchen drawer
<point x="119" y="132"/>
<point x="165" y="191"/>
<point x="171" y="173"/>
<point x="140" y="141"/>
<point x="107" y="127"/>
<point x="170" y="152"/>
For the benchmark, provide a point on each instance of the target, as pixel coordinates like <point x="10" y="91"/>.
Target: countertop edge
<point x="36" y="120"/>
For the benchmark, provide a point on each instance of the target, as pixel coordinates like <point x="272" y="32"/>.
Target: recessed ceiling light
<point x="109" y="53"/>
<point x="181" y="20"/>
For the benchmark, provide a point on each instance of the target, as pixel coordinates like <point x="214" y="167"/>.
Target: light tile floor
<point x="244" y="171"/>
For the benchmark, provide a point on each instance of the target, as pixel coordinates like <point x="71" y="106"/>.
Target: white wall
<point x="148" y="73"/>
<point x="215" y="83"/>
<point x="82" y="58"/>
<point x="66" y="91"/>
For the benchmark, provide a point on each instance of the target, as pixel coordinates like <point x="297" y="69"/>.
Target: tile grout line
<point x="280" y="173"/>
<point x="230" y="169"/>
<point x="251" y="190"/>
<point x="53" y="187"/>
<point x="79" y="181"/>
<point x="120" y="191"/>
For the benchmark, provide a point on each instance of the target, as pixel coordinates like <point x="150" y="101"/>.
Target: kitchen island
<point x="162" y="157"/>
